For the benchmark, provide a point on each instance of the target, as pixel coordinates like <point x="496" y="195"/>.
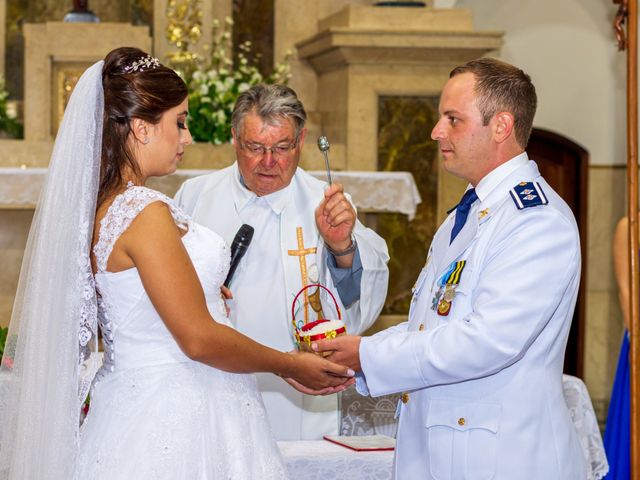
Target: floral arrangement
<point x="8" y="122"/>
<point x="216" y="82"/>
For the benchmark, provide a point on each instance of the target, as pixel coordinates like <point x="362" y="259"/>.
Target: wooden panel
<point x="564" y="164"/>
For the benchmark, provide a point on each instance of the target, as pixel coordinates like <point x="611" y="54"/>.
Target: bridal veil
<point x="50" y="357"/>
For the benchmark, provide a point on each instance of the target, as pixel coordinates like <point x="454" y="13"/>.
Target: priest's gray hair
<point x="272" y="103"/>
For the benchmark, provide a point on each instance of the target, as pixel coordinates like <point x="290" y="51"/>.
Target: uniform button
<point x="405" y="397"/>
<point x="421" y="327"/>
<point x="461" y="421"/>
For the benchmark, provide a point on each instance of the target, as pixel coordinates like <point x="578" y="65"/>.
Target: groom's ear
<point x="140" y="130"/>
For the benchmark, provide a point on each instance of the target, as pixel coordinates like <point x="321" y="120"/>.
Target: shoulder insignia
<point x="528" y="194"/>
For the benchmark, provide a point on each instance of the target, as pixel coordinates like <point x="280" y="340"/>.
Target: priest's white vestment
<point x="286" y="253"/>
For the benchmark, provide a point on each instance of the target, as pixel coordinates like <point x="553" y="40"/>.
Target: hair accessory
<point x="143" y="64"/>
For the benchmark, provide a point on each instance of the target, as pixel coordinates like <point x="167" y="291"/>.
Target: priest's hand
<point x="317" y="376"/>
<point x="344" y="349"/>
<point x="335" y="218"/>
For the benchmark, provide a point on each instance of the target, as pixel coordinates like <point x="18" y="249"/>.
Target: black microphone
<point x="238" y="249"/>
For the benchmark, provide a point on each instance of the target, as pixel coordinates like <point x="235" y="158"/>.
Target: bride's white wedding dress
<point x="156" y="414"/>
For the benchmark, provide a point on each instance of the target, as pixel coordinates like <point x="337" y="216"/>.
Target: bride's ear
<point x="140" y="130"/>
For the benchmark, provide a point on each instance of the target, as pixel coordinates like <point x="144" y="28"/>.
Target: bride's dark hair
<point x="135" y="85"/>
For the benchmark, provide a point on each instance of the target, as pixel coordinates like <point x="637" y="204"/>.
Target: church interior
<point x="370" y="77"/>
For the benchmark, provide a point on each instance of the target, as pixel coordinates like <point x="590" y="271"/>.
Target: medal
<point x="444" y="308"/>
<point x="436" y="299"/>
<point x="449" y="293"/>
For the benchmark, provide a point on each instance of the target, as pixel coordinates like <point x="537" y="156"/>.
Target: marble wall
<point x="404" y="145"/>
<point x="14" y="228"/>
<point x="604" y="324"/>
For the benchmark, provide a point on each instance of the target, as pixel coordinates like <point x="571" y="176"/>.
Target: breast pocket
<point x="462" y="439"/>
<point x="462" y="300"/>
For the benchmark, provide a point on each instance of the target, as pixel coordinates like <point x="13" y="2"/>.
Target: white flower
<point x="84" y="335"/>
<point x="204" y="89"/>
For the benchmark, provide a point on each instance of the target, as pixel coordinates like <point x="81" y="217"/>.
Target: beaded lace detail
<point x="124" y="209"/>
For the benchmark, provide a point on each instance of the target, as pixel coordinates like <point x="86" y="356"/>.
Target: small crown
<point x="142" y="65"/>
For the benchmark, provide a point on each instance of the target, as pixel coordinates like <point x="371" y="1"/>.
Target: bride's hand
<point x="314" y="375"/>
<point x="325" y="391"/>
<point x="226" y="294"/>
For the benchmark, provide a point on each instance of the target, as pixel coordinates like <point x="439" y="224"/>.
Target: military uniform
<point x="480" y="359"/>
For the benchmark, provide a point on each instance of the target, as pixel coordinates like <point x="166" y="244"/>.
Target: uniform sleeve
<point x="530" y="266"/>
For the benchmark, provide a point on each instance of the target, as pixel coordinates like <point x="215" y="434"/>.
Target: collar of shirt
<point x="497" y="175"/>
<point x="242" y="196"/>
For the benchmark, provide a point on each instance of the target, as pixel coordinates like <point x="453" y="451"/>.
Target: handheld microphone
<point x="238" y="249"/>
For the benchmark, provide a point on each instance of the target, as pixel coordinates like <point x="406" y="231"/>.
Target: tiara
<point x="142" y="64"/>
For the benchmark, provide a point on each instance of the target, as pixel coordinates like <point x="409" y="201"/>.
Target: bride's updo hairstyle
<point x="135" y="85"/>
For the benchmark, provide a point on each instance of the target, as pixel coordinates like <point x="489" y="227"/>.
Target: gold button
<point x="461" y="421"/>
<point x="421" y="327"/>
<point x="405" y="397"/>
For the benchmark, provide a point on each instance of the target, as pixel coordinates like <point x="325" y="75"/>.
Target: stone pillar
<point x="363" y="52"/>
<point x="56" y="53"/>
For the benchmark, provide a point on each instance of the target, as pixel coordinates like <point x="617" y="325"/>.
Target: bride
<point x="172" y="398"/>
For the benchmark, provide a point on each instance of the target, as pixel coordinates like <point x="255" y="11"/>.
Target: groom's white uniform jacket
<point x="270" y="274"/>
<point x="484" y="376"/>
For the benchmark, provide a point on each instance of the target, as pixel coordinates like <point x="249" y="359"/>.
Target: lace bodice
<point x="122" y="212"/>
<point x="133" y="333"/>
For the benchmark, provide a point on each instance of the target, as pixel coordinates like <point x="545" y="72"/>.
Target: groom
<point x="305" y="232"/>
<point x="480" y="360"/>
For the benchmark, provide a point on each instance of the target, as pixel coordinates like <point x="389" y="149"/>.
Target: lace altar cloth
<point x="324" y="460"/>
<point x="584" y="419"/>
<point x="371" y="416"/>
<point x="370" y="191"/>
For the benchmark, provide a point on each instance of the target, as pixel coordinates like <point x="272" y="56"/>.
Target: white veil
<point x="49" y="360"/>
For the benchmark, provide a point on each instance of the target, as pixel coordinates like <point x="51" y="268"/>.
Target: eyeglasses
<point x="278" y="151"/>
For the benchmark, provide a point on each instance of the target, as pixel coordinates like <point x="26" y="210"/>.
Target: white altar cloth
<point x="322" y="460"/>
<point x="370" y="191"/>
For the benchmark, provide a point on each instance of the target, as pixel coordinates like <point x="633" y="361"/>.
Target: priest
<point x="305" y="232"/>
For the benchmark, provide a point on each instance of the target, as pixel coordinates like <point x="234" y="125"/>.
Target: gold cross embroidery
<point x="302" y="253"/>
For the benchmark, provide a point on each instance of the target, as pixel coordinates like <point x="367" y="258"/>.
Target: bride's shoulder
<point x="138" y="199"/>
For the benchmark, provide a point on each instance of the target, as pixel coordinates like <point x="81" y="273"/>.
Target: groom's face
<point x="267" y="152"/>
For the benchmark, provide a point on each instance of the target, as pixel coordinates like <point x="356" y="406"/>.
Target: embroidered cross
<point x="302" y="253"/>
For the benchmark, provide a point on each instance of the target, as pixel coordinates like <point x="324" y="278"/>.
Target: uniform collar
<point x="495" y="177"/>
<point x="243" y="196"/>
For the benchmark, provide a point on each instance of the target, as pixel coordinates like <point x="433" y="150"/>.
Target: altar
<point x="371" y="192"/>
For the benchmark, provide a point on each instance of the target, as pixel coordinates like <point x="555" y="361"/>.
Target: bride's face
<point x="165" y="142"/>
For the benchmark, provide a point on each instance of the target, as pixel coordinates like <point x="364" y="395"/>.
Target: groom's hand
<point x="344" y="349"/>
